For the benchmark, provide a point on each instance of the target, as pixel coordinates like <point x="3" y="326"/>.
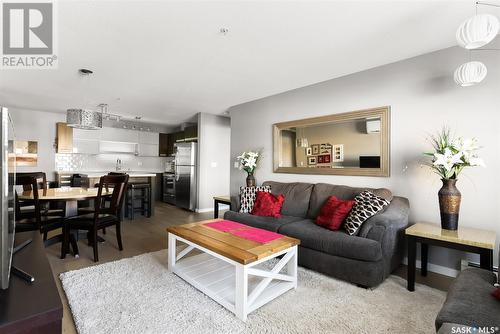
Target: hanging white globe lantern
<point x="470" y="73"/>
<point x="477" y="31"/>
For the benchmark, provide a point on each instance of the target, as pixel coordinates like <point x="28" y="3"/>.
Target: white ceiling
<point x="167" y="60"/>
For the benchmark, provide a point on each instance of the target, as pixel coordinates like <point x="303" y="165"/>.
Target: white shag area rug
<point x="139" y="295"/>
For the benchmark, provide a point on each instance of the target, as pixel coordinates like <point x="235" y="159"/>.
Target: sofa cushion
<point x="247" y="197"/>
<point x="322" y="191"/>
<point x="268" y="205"/>
<point x="469" y="300"/>
<point x="297" y="196"/>
<point x="367" y="205"/>
<point x="266" y="223"/>
<point x="333" y="213"/>
<point x="336" y="243"/>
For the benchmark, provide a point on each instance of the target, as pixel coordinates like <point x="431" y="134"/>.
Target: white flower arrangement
<point x="248" y="161"/>
<point x="451" y="155"/>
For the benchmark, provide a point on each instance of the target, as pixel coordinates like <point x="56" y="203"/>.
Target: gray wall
<point x="41" y="127"/>
<point x="214" y="135"/>
<point x="423" y="98"/>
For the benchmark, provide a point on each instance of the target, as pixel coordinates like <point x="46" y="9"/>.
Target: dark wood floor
<point x="148" y="235"/>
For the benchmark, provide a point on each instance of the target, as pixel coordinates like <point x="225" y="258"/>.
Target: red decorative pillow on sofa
<point x="496" y="293"/>
<point x="268" y="205"/>
<point x="334" y="212"/>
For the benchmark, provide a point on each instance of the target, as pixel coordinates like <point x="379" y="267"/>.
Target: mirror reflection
<point x="351" y="143"/>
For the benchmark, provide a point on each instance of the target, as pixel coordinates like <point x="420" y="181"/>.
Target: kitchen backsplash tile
<point x="104" y="162"/>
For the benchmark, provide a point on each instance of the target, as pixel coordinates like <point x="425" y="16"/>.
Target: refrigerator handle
<point x="175" y="173"/>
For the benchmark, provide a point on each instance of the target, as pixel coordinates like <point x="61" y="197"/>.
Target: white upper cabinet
<point x="85" y="146"/>
<point x="120" y="135"/>
<point x="148" y="150"/>
<point x="79" y="134"/>
<point x="152" y="138"/>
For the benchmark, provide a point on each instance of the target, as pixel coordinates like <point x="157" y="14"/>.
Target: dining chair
<point x="32" y="219"/>
<point x="106" y="213"/>
<point x="46" y="209"/>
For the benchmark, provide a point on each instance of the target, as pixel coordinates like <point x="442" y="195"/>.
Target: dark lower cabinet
<point x="31" y="308"/>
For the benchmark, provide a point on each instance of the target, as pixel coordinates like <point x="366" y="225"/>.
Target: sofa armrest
<point x="235" y="203"/>
<point x="395" y="217"/>
<point x="388" y="229"/>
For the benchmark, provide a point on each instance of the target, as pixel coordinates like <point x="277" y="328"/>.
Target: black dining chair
<point x="106" y="213"/>
<point x="46" y="209"/>
<point x="29" y="215"/>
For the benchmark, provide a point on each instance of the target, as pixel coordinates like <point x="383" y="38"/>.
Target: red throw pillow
<point x="333" y="213"/>
<point x="267" y="204"/>
<point x="496" y="293"/>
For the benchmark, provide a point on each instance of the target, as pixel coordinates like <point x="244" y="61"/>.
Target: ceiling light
<point x="470" y="73"/>
<point x="84" y="119"/>
<point x="477" y="31"/>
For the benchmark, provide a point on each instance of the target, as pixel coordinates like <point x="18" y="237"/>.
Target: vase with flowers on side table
<point x="247" y="161"/>
<point x="450" y="157"/>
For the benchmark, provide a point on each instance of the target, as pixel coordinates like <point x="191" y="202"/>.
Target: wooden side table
<point x="220" y="200"/>
<point x="466" y="239"/>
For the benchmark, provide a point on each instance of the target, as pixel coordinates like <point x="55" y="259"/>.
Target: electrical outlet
<point x="139" y="163"/>
<point x="236" y="164"/>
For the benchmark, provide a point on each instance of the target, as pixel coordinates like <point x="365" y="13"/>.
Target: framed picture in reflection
<point x="311" y="161"/>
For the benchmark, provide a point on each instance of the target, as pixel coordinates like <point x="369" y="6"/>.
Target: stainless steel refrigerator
<point x="185" y="175"/>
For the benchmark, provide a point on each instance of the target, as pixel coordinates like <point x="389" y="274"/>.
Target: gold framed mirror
<point x="353" y="143"/>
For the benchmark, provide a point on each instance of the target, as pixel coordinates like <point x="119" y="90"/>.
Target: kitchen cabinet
<point x="94" y="135"/>
<point x="64" y="138"/>
<point x="117" y="147"/>
<point x="163" y="144"/>
<point x="178" y="137"/>
<point x="191" y="133"/>
<point x="120" y="135"/>
<point x="85" y="146"/>
<point x="148" y="138"/>
<point x="148" y="150"/>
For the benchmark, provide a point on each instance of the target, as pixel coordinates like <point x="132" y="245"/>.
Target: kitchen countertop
<point x="99" y="174"/>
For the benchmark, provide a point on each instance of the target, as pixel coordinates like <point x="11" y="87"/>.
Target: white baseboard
<point x="221" y="207"/>
<point x="205" y="210"/>
<point x="436" y="268"/>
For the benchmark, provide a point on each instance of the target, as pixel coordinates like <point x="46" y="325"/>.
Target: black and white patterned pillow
<point x="367" y="205"/>
<point x="247" y="197"/>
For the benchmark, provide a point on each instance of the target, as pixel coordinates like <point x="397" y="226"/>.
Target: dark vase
<point x="250" y="180"/>
<point x="449" y="204"/>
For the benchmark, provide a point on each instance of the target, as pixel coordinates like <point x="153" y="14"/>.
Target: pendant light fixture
<point x="474" y="33"/>
<point x="470" y="73"/>
<point x="477" y="31"/>
<point x="85" y="119"/>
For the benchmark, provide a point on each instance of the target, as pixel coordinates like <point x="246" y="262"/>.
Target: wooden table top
<point x="464" y="235"/>
<point x="65" y="193"/>
<point x="233" y="247"/>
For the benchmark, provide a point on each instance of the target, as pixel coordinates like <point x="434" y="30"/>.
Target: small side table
<point x="220" y="200"/>
<point x="466" y="239"/>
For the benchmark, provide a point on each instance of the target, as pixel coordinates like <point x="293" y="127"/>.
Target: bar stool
<point x="138" y="192"/>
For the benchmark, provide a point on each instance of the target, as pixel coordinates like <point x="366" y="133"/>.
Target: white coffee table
<point x="232" y="270"/>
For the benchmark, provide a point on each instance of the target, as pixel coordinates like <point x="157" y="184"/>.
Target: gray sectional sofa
<point x="469" y="303"/>
<point x="366" y="259"/>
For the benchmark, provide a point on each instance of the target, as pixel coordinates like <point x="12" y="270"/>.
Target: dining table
<point x="70" y="196"/>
